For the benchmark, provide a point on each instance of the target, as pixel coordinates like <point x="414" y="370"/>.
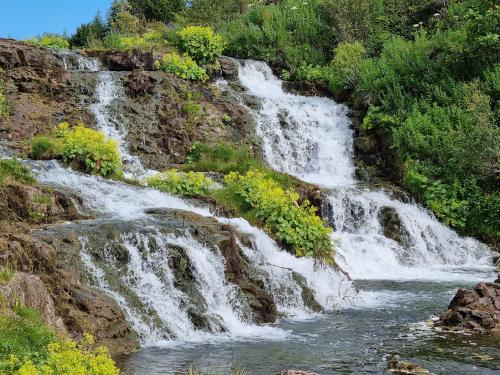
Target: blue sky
<point x="22" y="19"/>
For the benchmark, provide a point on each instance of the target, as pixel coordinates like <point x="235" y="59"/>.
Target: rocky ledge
<point x="476" y="310"/>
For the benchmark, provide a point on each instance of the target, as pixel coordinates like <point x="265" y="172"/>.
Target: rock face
<point x="475" y="309"/>
<point x="37" y="204"/>
<point x="40" y="91"/>
<point x="125" y="61"/>
<point x="29" y="290"/>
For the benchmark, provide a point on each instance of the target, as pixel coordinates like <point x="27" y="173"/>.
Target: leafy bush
<point x="180" y="183"/>
<point x="295" y="224"/>
<point x="84" y="148"/>
<point x="343" y="71"/>
<point x="310" y="73"/>
<point x="50" y="41"/>
<point x="201" y="44"/>
<point x="11" y="169"/>
<point x="182" y="66"/>
<point x="153" y="39"/>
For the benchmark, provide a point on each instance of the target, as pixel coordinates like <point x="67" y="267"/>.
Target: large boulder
<point x="476" y="309"/>
<point x="30" y="291"/>
<point x="15" y="54"/>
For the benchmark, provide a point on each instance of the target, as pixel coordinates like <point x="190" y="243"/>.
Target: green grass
<point x="13" y="170"/>
<point x="6" y="275"/>
<point x="23" y="334"/>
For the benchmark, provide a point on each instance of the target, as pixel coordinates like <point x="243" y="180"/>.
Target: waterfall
<point x="310" y="137"/>
<point x="109" y="89"/>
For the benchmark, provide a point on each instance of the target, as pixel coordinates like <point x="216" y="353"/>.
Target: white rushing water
<point x="310" y="137"/>
<point x="163" y="317"/>
<point x="307" y="137"/>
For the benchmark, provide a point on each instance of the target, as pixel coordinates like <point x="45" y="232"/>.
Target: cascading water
<point x="156" y="307"/>
<point x="310" y="137"/>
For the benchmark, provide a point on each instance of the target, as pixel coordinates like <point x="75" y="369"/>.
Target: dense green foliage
<point x="12" y="170"/>
<point x="29" y="347"/>
<point x="180" y="183"/>
<point x="182" y="66"/>
<point x="157" y="10"/>
<point x="23" y="335"/>
<point x="50" y="41"/>
<point x="428" y="73"/>
<point x="223" y="158"/>
<point x="201" y="44"/>
<point x="86" y="149"/>
<point x="295" y="224"/>
<point x="90" y="35"/>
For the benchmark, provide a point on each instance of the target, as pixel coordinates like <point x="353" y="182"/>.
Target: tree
<point x="157" y="10"/>
<point x="89" y="34"/>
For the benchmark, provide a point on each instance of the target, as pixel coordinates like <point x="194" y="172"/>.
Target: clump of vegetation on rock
<point x="295" y="224"/>
<point x="82" y="147"/>
<point x="11" y="170"/>
<point x="29" y="347"/>
<point x="4" y="106"/>
<point x="201" y="44"/>
<point x="50" y="41"/>
<point x="180" y="183"/>
<point x="182" y="66"/>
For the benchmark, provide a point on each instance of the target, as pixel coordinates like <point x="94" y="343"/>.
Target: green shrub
<point x="153" y="39"/>
<point x="222" y="158"/>
<point x="4" y="105"/>
<point x="84" y="148"/>
<point x="343" y="71"/>
<point x="201" y="44"/>
<point x="11" y="169"/>
<point x="182" y="66"/>
<point x="44" y="148"/>
<point x="310" y="73"/>
<point x="294" y="224"/>
<point x="180" y="183"/>
<point x="50" y="41"/>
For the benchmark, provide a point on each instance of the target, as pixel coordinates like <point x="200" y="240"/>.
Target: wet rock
<point x="38" y="204"/>
<point x="30" y="291"/>
<point x="251" y="101"/>
<point x="475" y="309"/>
<point x="307" y="293"/>
<point x="229" y="67"/>
<point x="392" y="225"/>
<point x="125" y="61"/>
<point x="397" y="365"/>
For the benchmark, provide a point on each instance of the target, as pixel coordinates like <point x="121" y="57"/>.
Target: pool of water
<point x="387" y="320"/>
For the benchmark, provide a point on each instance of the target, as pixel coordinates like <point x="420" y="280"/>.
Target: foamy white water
<point x="310" y="137"/>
